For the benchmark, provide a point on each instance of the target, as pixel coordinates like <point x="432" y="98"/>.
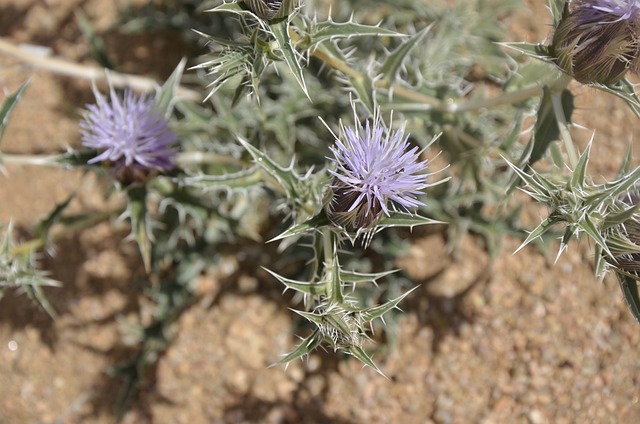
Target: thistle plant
<point x="316" y="133"/>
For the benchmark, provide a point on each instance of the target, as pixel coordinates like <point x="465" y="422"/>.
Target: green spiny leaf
<point x="328" y="30"/>
<point x="363" y="86"/>
<point x="557" y="9"/>
<point x="626" y="91"/>
<point x="310" y="225"/>
<point x="374" y="312"/>
<point x="314" y="289"/>
<point x="8" y="105"/>
<point x="539" y="231"/>
<point x="403" y="219"/>
<point x="393" y="63"/>
<point x="546" y="129"/>
<point x="304" y="348"/>
<point x="44" y="226"/>
<point x="587" y="225"/>
<point x="167" y="93"/>
<point x="234" y="180"/>
<point x="287" y="177"/>
<point x="629" y="287"/>
<point x="280" y="30"/>
<point x="538" y="51"/>
<point x="359" y="353"/>
<point x="613" y="219"/>
<point x="358" y="277"/>
<point x="579" y="173"/>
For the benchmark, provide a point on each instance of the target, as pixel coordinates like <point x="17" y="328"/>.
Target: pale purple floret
<point x="377" y="165"/>
<point x="594" y="11"/>
<point x="128" y="132"/>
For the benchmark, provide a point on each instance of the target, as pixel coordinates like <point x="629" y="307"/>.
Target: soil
<point x="517" y="339"/>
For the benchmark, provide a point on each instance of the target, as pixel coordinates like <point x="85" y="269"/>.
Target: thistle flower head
<point x="596" y="41"/>
<point x="128" y="133"/>
<point x="602" y="11"/>
<point x="375" y="167"/>
<point x="271" y="9"/>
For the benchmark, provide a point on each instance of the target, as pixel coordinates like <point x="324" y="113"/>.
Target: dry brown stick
<point x="74" y="70"/>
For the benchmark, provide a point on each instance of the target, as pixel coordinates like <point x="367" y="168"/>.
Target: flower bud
<point x="271" y="9"/>
<point x="596" y="41"/>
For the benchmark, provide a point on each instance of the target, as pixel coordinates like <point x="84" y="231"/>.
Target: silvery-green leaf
<point x="613" y="219"/>
<point x="393" y="62"/>
<point x="539" y="231"/>
<point x="538" y="51"/>
<point x="626" y="91"/>
<point x="9" y="104"/>
<point x="359" y="353"/>
<point x="540" y="187"/>
<point x="600" y="264"/>
<point x="629" y="287"/>
<point x="546" y="129"/>
<point x="280" y="30"/>
<point x="312" y="224"/>
<point x="359" y="277"/>
<point x="363" y="86"/>
<point x="35" y="292"/>
<point x="557" y="9"/>
<point x="579" y="173"/>
<point x="369" y="314"/>
<point x="44" y="226"/>
<point x="587" y="225"/>
<point x="615" y="188"/>
<point x="233" y="180"/>
<point x="167" y="93"/>
<point x="626" y="162"/>
<point x="314" y="289"/>
<point x="304" y="348"/>
<point x="234" y="7"/>
<point x="403" y="219"/>
<point x="329" y="30"/>
<point x="286" y="177"/>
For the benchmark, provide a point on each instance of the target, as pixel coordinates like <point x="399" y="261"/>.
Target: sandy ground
<point x="516" y="340"/>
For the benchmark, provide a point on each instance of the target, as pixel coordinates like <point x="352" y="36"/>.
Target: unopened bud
<point x="271" y="9"/>
<point x="596" y="41"/>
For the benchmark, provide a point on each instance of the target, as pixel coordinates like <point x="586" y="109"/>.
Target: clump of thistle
<point x="130" y="135"/>
<point x="596" y="41"/>
<point x="271" y="9"/>
<point x="377" y="170"/>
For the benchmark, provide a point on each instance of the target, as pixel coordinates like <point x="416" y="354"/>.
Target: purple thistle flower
<point x="129" y="133"/>
<point x="603" y="11"/>
<point x="375" y="166"/>
<point x="596" y="41"/>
